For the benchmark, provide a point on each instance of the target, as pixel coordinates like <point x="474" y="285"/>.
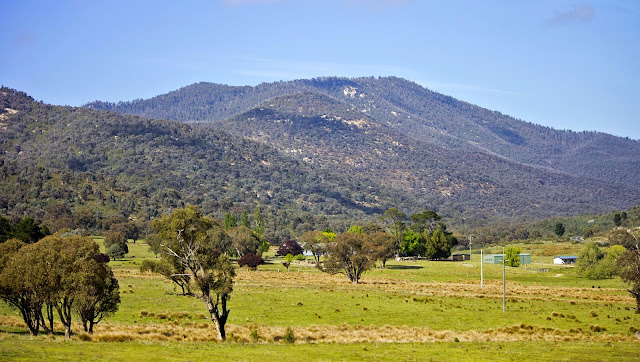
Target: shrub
<point x="288" y="336"/>
<point x="148" y="265"/>
<point x="250" y="260"/>
<point x="254" y="334"/>
<point x="115" y="252"/>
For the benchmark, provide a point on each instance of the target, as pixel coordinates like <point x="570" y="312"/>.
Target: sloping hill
<point x="127" y="165"/>
<point x="463" y="184"/>
<point x="418" y="113"/>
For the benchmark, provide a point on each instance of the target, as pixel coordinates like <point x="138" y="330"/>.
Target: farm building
<point x="497" y="258"/>
<point x="460" y="257"/>
<point x="492" y="258"/>
<point x="565" y="259"/>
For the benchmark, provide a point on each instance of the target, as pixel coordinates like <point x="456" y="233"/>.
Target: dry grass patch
<point x="205" y="332"/>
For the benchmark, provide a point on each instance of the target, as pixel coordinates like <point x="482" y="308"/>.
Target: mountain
<point x="469" y="163"/>
<point x="59" y="164"/>
<point x="419" y="113"/>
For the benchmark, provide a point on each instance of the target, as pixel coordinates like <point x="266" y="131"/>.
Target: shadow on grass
<point x="403" y="267"/>
<point x="25" y="332"/>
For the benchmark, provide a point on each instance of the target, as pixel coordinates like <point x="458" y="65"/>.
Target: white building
<point x="565" y="259"/>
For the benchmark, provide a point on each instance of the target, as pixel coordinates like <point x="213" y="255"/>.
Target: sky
<point x="564" y="64"/>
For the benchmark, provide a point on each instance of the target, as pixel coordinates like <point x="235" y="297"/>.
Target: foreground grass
<point x="381" y="318"/>
<point x="15" y="347"/>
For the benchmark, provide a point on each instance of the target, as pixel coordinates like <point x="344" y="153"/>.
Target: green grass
<point x="441" y="296"/>
<point x="20" y="348"/>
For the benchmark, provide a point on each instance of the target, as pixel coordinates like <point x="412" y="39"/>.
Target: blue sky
<point x="564" y="64"/>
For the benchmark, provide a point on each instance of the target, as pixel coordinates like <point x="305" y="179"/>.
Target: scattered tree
<point x="57" y="273"/>
<point x="511" y="257"/>
<point x="594" y="264"/>
<point x="314" y="242"/>
<point x="264" y="247"/>
<point x="290" y="247"/>
<point x="155" y="244"/>
<point x="250" y="260"/>
<point x="17" y="290"/>
<point x="351" y="254"/>
<point x="617" y="219"/>
<point x="115" y="252"/>
<point x="559" y="229"/>
<point x="116" y="238"/>
<point x="384" y="246"/>
<point x="99" y="294"/>
<point x="394" y="221"/>
<point x="189" y="242"/>
<point x="287" y="261"/>
<point x="629" y="268"/>
<point x="244" y="241"/>
<point x="29" y="231"/>
<point x="426" y="220"/>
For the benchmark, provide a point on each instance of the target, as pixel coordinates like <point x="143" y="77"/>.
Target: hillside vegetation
<point x="58" y="161"/>
<point x="419" y="113"/>
<point x="472" y="165"/>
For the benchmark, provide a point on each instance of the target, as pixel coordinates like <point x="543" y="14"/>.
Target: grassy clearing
<point x="408" y="302"/>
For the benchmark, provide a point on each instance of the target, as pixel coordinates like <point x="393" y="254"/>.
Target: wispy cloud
<point x="248" y="2"/>
<point x="577" y="14"/>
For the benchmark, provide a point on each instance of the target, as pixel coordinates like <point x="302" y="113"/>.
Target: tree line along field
<point x="409" y="310"/>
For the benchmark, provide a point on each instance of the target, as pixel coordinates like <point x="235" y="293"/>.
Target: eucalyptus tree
<point x="99" y="293"/>
<point x="192" y="240"/>
<point x="629" y="267"/>
<point x="315" y="242"/>
<point x="15" y="288"/>
<point x="350" y="254"/>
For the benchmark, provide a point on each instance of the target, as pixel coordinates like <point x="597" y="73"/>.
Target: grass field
<point x="415" y="310"/>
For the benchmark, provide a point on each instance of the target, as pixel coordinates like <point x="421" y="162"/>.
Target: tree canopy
<point x="193" y="241"/>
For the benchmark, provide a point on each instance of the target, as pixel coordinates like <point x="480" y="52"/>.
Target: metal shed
<point x="492" y="258"/>
<point x="460" y="257"/>
<point x="497" y="258"/>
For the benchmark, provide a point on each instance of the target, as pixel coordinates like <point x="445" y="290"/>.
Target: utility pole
<point x="481" y="271"/>
<point x="470" y="238"/>
<point x="504" y="285"/>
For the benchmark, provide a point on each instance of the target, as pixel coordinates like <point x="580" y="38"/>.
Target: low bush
<point x="289" y="337"/>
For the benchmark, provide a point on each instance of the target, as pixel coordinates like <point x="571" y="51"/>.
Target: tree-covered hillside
<point x="418" y="113"/>
<point x="58" y="162"/>
<point x="466" y="185"/>
<point x="308" y="159"/>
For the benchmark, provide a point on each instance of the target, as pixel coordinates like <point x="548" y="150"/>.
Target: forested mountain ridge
<point x="461" y="184"/>
<point x="57" y="161"/>
<point x="418" y="113"/>
<point x="308" y="158"/>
